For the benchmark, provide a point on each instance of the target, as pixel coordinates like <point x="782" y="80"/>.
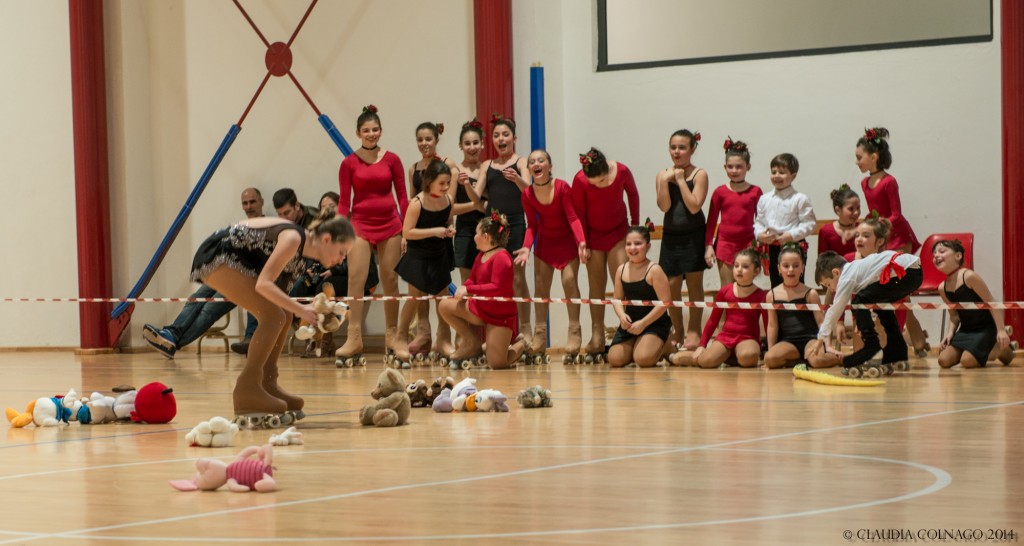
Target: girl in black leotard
<point x="428" y="134"/>
<point x="505" y="185"/>
<point x="428" y="261"/>
<point x="793" y="335"/>
<point x="471" y="143"/>
<point x="643" y="330"/>
<point x="251" y="263"/>
<point x="973" y="337"/>
<point x="682" y="190"/>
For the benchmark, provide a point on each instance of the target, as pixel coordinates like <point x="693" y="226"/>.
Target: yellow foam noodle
<point x="801" y="371"/>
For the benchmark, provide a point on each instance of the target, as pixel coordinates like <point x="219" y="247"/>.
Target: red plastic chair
<point x="933" y="278"/>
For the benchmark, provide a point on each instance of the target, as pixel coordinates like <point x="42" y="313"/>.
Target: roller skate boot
<point x="572" y="345"/>
<point x="419" y="348"/>
<point x="438" y="353"/>
<point x="396" y="352"/>
<point x="595" y="352"/>
<point x="259" y="420"/>
<point x="351" y="353"/>
<point x="536" y="354"/>
<point x="294" y="403"/>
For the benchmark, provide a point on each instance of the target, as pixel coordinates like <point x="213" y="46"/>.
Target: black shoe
<point x="241" y="347"/>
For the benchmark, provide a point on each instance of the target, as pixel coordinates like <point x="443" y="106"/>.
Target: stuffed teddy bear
<point x="393" y="406"/>
<point x="44" y="412"/>
<point x="435" y="388"/>
<point x="487" y="400"/>
<point x="154" y="404"/>
<point x="454" y="399"/>
<point x="290" y="437"/>
<point x="330" y="315"/>
<point x="417" y="392"/>
<point x="217" y="432"/>
<point x="241" y="475"/>
<point x="535" y="397"/>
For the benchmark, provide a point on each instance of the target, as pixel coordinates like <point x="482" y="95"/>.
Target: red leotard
<point x="555" y="225"/>
<point x="830" y="239"/>
<point x="493" y="278"/>
<point x="740" y="324"/>
<point x="885" y="198"/>
<point x="736" y="230"/>
<point x="602" y="211"/>
<point x="366" y="196"/>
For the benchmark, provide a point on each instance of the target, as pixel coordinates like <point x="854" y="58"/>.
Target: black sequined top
<point x="246" y="250"/>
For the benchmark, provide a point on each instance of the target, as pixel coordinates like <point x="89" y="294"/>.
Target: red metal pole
<point x="1012" y="19"/>
<point x="92" y="196"/>
<point x="493" y="46"/>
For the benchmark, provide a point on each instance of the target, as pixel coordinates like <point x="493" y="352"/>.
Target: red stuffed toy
<point x="155" y="404"/>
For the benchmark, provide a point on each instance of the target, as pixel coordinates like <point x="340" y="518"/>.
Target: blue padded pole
<point x="176" y="226"/>
<point x="537" y="131"/>
<point x="335" y="135"/>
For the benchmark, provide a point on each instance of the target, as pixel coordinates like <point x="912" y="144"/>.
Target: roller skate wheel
<point x="538" y="360"/>
<point x="589" y="359"/>
<point x="298" y="415"/>
<point x="854" y="372"/>
<point x="362" y="361"/>
<point x="600" y="359"/>
<point x="272" y="421"/>
<point x="483" y="361"/>
<point x="901" y="366"/>
<point x="442" y="361"/>
<point x="887" y="369"/>
<point x="454" y="364"/>
<point x="872" y="372"/>
<point x="287" y="418"/>
<point x="405" y="364"/>
<point x="466" y="364"/>
<point x="566" y="359"/>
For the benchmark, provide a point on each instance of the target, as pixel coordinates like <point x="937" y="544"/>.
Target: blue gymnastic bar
<point x="179" y="221"/>
<point x="537" y="132"/>
<point x="537" y="129"/>
<point x="335" y="134"/>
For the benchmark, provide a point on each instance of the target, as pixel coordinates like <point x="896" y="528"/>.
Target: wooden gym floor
<point x="657" y="456"/>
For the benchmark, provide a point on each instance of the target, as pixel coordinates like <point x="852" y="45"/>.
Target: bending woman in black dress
<point x="252" y="263"/>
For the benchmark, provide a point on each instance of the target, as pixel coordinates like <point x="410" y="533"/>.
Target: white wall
<point x="181" y="72"/>
<point x="38" y="221"/>
<point x="942" y="105"/>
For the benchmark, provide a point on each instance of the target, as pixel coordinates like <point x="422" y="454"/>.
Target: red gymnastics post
<point x="492" y="40"/>
<point x="1012" y="18"/>
<point x="92" y="196"/>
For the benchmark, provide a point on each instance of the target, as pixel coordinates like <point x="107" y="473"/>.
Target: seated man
<point x="197" y="317"/>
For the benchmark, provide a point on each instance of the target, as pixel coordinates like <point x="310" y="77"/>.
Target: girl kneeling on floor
<point x="491" y="276"/>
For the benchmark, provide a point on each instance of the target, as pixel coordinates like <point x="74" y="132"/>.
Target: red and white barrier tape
<point x="1014" y="305"/>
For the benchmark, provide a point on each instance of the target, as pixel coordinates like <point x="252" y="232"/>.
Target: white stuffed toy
<point x="290" y="437"/>
<point x="330" y="316"/>
<point x="124" y="404"/>
<point x="100" y="408"/>
<point x="491" y="400"/>
<point x="217" y="432"/>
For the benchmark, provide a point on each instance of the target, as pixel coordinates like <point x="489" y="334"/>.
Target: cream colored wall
<point x="38" y="220"/>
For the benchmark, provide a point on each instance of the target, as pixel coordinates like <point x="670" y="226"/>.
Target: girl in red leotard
<point x="737" y="204"/>
<point x="882" y="194"/>
<point x="372" y="184"/>
<point x="551" y="220"/>
<point x="598" y="190"/>
<point x="740" y="335"/>
<point x="491" y="276"/>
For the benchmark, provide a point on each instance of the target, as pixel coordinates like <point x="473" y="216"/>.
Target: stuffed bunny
<point x="241" y="475"/>
<point x="489" y="400"/>
<point x="217" y="432"/>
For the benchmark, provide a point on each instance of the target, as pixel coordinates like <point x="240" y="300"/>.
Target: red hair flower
<point x="440" y="128"/>
<point x="370" y="108"/>
<point x="495" y="216"/>
<point x="474" y="123"/>
<point x="727" y="144"/>
<point x="649" y="224"/>
<point x="870" y="134"/>
<point x="585" y="159"/>
<point x="696" y="136"/>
